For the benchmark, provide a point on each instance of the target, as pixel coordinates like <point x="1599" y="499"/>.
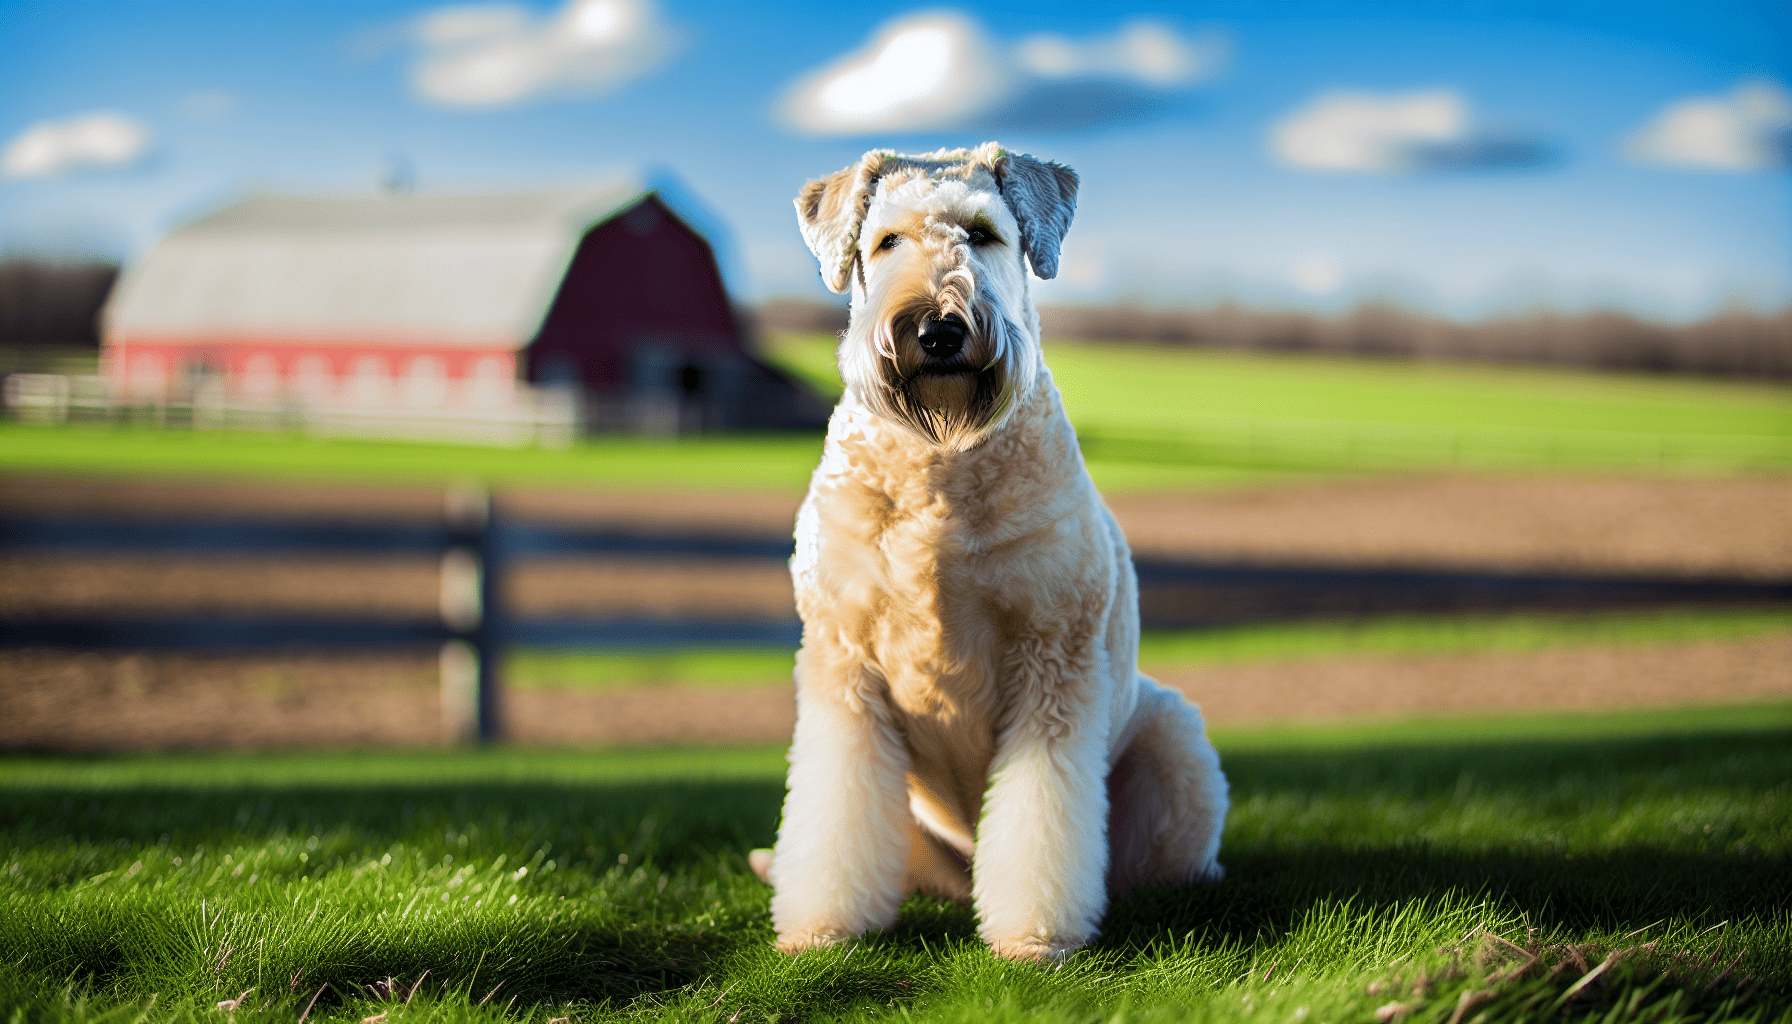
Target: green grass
<point x="1150" y="418"/>
<point x="581" y="668"/>
<point x="1112" y="383"/>
<point x="1145" y="384"/>
<point x="578" y="668"/>
<point x="772" y="462"/>
<point x="1163" y="416"/>
<point x="1400" y="635"/>
<point x="610" y="885"/>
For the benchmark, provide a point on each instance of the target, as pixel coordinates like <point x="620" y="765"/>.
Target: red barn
<point x="435" y="303"/>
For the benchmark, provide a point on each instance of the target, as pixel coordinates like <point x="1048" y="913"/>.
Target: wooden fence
<point x="477" y="542"/>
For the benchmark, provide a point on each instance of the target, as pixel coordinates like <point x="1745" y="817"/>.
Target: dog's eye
<point x="889" y="241"/>
<point x="980" y="238"/>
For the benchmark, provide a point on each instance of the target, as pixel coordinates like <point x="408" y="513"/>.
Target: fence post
<point x="473" y="606"/>
<point x="489" y="638"/>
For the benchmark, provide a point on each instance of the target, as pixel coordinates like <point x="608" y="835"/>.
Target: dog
<point x="971" y="720"/>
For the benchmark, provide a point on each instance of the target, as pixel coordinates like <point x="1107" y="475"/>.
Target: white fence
<point x="545" y="416"/>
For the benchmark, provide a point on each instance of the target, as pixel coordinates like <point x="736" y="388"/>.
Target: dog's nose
<point x="942" y="338"/>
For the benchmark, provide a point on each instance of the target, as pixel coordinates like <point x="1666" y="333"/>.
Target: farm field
<point x="1611" y="867"/>
<point x="1151" y="418"/>
<point x="1144" y="410"/>
<point x="1431" y="863"/>
<point x="1313" y="672"/>
<point x="1107" y="381"/>
<point x="1168" y="650"/>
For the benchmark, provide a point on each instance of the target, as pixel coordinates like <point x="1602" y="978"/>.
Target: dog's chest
<point x="917" y="577"/>
<point x="934" y="614"/>
<point x="934" y="619"/>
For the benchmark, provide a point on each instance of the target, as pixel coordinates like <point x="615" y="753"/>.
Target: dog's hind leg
<point x="843" y="844"/>
<point x="935" y="868"/>
<point x="1167" y="797"/>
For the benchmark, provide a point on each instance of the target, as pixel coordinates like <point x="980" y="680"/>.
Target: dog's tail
<point x="761" y="863"/>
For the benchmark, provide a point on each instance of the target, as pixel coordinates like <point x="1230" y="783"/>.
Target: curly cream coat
<point x="971" y="721"/>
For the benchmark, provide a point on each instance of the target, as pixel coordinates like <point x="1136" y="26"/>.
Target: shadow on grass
<point x="1312" y="828"/>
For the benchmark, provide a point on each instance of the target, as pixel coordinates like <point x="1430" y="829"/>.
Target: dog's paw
<point x="810" y="940"/>
<point x="1038" y="949"/>
<point x="761" y="863"/>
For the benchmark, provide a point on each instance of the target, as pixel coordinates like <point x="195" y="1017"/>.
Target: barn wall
<point x="641" y="280"/>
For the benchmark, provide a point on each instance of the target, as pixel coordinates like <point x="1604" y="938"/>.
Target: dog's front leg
<point x="843" y="843"/>
<point x="1039" y="882"/>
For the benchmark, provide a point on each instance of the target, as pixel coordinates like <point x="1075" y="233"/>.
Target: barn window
<point x="561" y="370"/>
<point x="261" y="377"/>
<point x="425" y="382"/>
<point x="311" y="377"/>
<point x="491" y="383"/>
<point x="369" y="382"/>
<point x="148" y="375"/>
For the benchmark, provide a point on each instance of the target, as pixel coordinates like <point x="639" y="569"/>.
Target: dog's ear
<point x="1042" y="196"/>
<point x="831" y="211"/>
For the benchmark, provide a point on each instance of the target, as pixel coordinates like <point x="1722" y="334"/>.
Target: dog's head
<point x="935" y="250"/>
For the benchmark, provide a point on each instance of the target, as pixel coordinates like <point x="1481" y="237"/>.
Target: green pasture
<point x="1150" y="417"/>
<point x="771" y="462"/>
<point x="1639" y="863"/>
<point x="537" y="668"/>
<point x="1146" y="413"/>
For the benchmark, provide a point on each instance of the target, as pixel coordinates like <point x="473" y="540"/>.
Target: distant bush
<point x="1731" y="343"/>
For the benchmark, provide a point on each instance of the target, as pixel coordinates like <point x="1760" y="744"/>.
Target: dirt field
<point x="1692" y="525"/>
<point x="1734" y="528"/>
<point x="1738" y="528"/>
<point x="62" y="701"/>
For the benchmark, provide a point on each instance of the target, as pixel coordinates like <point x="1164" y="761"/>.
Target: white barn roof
<point x="472" y="270"/>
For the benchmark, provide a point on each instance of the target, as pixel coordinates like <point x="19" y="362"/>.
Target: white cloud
<point x="1147" y="52"/>
<point x="1353" y="131"/>
<point x="95" y="140"/>
<point x="496" y="55"/>
<point x="939" y="71"/>
<point x="1348" y="132"/>
<point x="1750" y="129"/>
<point x="925" y="71"/>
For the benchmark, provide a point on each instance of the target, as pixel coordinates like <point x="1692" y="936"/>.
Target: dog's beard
<point x="951" y="403"/>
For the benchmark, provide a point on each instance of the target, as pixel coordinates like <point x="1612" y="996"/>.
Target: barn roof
<point x="466" y="269"/>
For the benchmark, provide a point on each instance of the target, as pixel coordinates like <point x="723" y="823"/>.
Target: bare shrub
<point x="1734" y="342"/>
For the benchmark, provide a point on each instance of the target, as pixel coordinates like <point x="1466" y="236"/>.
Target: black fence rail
<point x="479" y="545"/>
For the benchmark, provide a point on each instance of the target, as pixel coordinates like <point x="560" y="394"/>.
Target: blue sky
<point x="1470" y="158"/>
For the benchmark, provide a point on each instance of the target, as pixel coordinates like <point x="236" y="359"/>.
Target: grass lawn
<point x="1365" y="869"/>
<point x="1150" y="418"/>
<point x="1165" y="649"/>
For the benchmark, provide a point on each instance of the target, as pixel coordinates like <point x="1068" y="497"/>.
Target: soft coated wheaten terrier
<point x="971" y="721"/>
